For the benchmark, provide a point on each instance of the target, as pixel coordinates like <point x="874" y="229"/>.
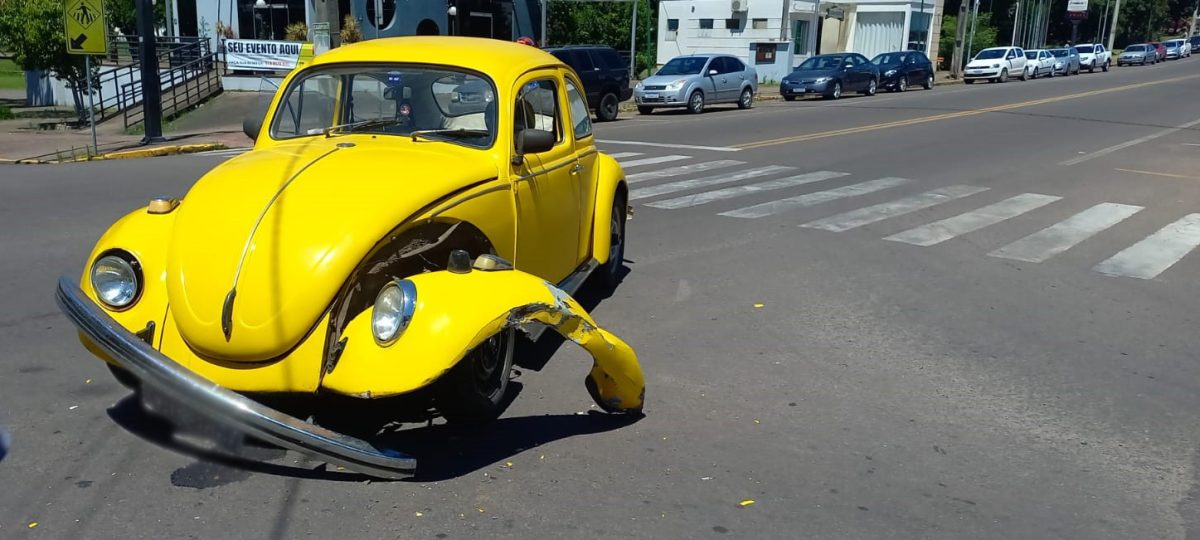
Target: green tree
<point x="32" y="32"/>
<point x="604" y="23"/>
<point x="985" y="36"/>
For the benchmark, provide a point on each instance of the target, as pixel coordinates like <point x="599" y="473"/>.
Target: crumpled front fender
<point x="456" y="312"/>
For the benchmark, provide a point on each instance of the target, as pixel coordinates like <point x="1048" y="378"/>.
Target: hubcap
<point x="902" y="84"/>
<point x="696" y="101"/>
<point x="745" y="98"/>
<point x="837" y="90"/>
<point x="487" y="361"/>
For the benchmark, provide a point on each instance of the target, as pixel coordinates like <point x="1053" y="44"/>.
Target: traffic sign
<point x="86" y="29"/>
<point x="1077" y="5"/>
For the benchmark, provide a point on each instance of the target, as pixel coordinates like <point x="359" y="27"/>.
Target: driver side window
<point x="537" y="108"/>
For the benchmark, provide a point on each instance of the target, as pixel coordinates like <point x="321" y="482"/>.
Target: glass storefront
<point x="268" y="19"/>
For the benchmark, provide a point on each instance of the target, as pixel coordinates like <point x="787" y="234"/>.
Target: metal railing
<point x="193" y="81"/>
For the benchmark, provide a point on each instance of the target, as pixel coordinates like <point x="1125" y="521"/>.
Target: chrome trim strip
<point x="456" y="202"/>
<point x="544" y="171"/>
<point x="220" y="405"/>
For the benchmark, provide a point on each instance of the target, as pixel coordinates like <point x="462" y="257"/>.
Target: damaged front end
<point x="456" y="312"/>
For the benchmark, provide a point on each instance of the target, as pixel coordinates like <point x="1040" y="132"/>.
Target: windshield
<point x="1173" y="43"/>
<point x="1085" y="48"/>
<point x="1032" y="55"/>
<point x="1135" y="48"/>
<point x="1060" y="52"/>
<point x="888" y="58"/>
<point x="690" y="65"/>
<point x="990" y="54"/>
<point x="389" y="100"/>
<point x="821" y="63"/>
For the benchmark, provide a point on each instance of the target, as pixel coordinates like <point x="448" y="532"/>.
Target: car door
<point x="737" y="77"/>
<point x="722" y="79"/>
<point x="544" y="187"/>
<point x="865" y="70"/>
<point x="580" y="123"/>
<point x="708" y="80"/>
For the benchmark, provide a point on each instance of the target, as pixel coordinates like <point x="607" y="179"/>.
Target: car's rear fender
<point x="455" y="312"/>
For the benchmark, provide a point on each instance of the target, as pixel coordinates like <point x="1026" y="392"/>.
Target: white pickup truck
<point x="1092" y="56"/>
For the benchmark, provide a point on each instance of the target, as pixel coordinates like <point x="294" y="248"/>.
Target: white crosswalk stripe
<point x="622" y="155"/>
<point x="940" y="231"/>
<point x="1065" y="234"/>
<point x="681" y="170"/>
<point x="811" y="199"/>
<point x="708" y="181"/>
<point x="737" y="191"/>
<point x="899" y="207"/>
<point x="1157" y="252"/>
<point x="651" y="161"/>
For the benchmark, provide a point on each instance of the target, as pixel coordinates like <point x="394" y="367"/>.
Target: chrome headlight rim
<point x="675" y="86"/>
<point x="135" y="269"/>
<point x="405" y="305"/>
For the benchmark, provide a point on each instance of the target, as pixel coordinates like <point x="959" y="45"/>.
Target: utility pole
<point x="1195" y="11"/>
<point x="633" y="43"/>
<point x="1016" y="24"/>
<point x="1112" y="29"/>
<point x="151" y="85"/>
<point x="960" y="30"/>
<point x="812" y="33"/>
<point x="974" y="20"/>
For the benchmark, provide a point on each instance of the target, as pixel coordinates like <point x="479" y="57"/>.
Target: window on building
<point x="764" y="53"/>
<point x="706" y="24"/>
<point x="800" y="37"/>
<point x="672" y="29"/>
<point x="759" y="24"/>
<point x="918" y="31"/>
<point x="734" y="24"/>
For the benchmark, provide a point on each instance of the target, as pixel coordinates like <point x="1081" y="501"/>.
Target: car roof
<point x="499" y="59"/>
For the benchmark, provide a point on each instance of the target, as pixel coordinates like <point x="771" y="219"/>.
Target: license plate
<point x="651" y="96"/>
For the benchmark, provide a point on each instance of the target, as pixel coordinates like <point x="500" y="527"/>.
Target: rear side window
<point x="608" y="59"/>
<point x="734" y="65"/>
<point x="583" y="61"/>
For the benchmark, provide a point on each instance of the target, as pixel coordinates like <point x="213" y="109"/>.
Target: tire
<point x="969" y="81"/>
<point x="1034" y="76"/>
<point x="696" y="102"/>
<point x="472" y="392"/>
<point x="608" y="275"/>
<point x="746" y="100"/>
<point x="1052" y="72"/>
<point x="872" y="88"/>
<point x="928" y="84"/>
<point x="1104" y="68"/>
<point x="902" y="83"/>
<point x="645" y="110"/>
<point x="1024" y="75"/>
<point x="1092" y="68"/>
<point x="609" y="107"/>
<point x="1003" y="78"/>
<point x="789" y="98"/>
<point x="836" y="92"/>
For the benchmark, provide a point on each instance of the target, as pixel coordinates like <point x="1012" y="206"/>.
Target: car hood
<point x="663" y="80"/>
<point x="810" y="74"/>
<point x="985" y="63"/>
<point x="288" y="224"/>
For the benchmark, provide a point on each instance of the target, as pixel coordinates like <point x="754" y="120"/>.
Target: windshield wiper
<point x="329" y="131"/>
<point x="449" y="133"/>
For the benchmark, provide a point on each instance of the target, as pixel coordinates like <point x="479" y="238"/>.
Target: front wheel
<point x="609" y="273"/>
<point x="696" y="103"/>
<point x="835" y="92"/>
<point x="928" y="84"/>
<point x="608" y="109"/>
<point x="472" y="392"/>
<point x="1003" y="76"/>
<point x="789" y="98"/>
<point x="645" y="110"/>
<point x="746" y="100"/>
<point x="969" y="81"/>
<point x="902" y="83"/>
<point x="1104" y="68"/>
<point x="872" y="88"/>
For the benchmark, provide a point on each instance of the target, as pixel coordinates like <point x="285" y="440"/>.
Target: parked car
<point x="604" y="74"/>
<point x="1193" y="43"/>
<point x="996" y="64"/>
<point x="830" y="75"/>
<point x="1160" y="49"/>
<point x="275" y="274"/>
<point x="1094" y="55"/>
<point x="1066" y="61"/>
<point x="1140" y="54"/>
<point x="1039" y="62"/>
<point x="899" y="70"/>
<point x="697" y="80"/>
<point x="1176" y="49"/>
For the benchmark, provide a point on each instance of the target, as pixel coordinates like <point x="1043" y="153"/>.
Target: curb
<point x="162" y="151"/>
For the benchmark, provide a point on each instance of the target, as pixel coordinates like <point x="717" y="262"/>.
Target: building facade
<point x="775" y="35"/>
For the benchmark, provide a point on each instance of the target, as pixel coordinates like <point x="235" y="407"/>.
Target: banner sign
<point x="1077" y="5"/>
<point x="259" y="55"/>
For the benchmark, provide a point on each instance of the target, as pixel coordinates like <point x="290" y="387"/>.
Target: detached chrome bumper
<point x="219" y="405"/>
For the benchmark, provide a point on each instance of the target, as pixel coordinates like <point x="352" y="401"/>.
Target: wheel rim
<point x="610" y="106"/>
<point x="746" y="97"/>
<point x="929" y="81"/>
<point x="697" y="102"/>
<point x="487" y="363"/>
<point x="871" y="87"/>
<point x="902" y="85"/>
<point x="837" y="90"/>
<point x="616" y="236"/>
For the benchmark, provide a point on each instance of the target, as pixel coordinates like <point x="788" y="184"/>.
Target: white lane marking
<point x="621" y="155"/>
<point x="663" y="189"/>
<point x="940" y="231"/>
<point x="651" y="161"/>
<point x="669" y="145"/>
<point x="1065" y="234"/>
<point x="1127" y="144"/>
<point x="810" y="199"/>
<point x="1155" y="253"/>
<point x="879" y="212"/>
<point x="681" y="170"/>
<point x="736" y="191"/>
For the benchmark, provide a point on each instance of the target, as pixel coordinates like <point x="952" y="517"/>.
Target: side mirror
<point x="712" y="72"/>
<point x="251" y="125"/>
<point x="533" y="141"/>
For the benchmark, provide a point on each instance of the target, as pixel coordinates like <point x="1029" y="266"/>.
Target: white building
<point x="774" y="35"/>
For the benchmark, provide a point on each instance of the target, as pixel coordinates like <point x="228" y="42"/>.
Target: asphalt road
<point x="978" y="319"/>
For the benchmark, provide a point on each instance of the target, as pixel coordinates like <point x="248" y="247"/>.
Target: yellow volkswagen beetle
<point x="409" y="205"/>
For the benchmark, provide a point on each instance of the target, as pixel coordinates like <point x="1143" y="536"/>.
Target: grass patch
<point x="5" y="112"/>
<point x="11" y="76"/>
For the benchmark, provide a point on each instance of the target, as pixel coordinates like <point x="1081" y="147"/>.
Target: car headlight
<point x="676" y="85"/>
<point x="820" y="80"/>
<point x="1058" y="64"/>
<point x="995" y="65"/>
<point x="639" y="86"/>
<point x="394" y="307"/>
<point x="889" y="73"/>
<point x="117" y="279"/>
